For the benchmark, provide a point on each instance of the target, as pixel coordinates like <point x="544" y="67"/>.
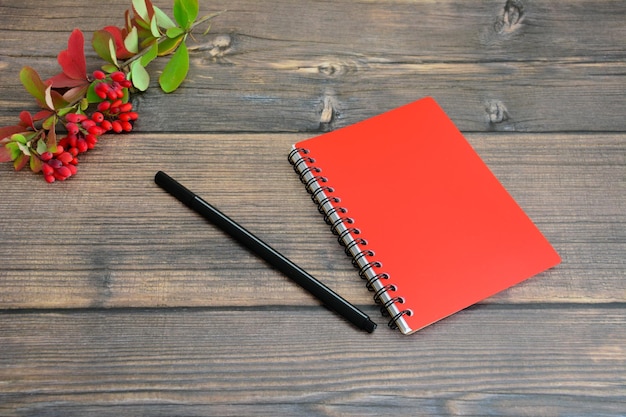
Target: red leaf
<point x="43" y="114"/>
<point x="118" y="38"/>
<point x="20" y="162"/>
<point x="51" y="139"/>
<point x="61" y="80"/>
<point x="5" y="154"/>
<point x="26" y="120"/>
<point x="74" y="94"/>
<point x="72" y="60"/>
<point x="7" y="131"/>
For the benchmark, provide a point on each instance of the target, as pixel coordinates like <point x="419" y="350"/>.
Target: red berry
<point x="59" y="150"/>
<point x="126" y="126"/>
<point x="117" y="126"/>
<point x="73" y="151"/>
<point x="101" y="90"/>
<point x="63" y="172"/>
<point x="65" y="157"/>
<point x="73" y="168"/>
<point x="97" y="117"/>
<point x="106" y="125"/>
<point x="55" y="163"/>
<point x="81" y="145"/>
<point x="126" y="107"/>
<point x="95" y="130"/>
<point x="104" y="105"/>
<point x="63" y="142"/>
<point x="49" y="178"/>
<point x="72" y="128"/>
<point x="99" y="75"/>
<point x="47" y="169"/>
<point x="75" y="117"/>
<point x="46" y="156"/>
<point x="118" y="76"/>
<point x="91" y="139"/>
<point x="88" y="124"/>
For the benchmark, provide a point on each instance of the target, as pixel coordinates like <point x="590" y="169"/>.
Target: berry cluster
<point x="86" y="105"/>
<point x="84" y="130"/>
<point x="111" y="87"/>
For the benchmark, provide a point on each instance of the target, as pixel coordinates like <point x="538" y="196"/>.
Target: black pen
<point x="327" y="296"/>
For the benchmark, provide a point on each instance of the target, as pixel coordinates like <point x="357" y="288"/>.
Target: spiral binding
<point x="341" y="225"/>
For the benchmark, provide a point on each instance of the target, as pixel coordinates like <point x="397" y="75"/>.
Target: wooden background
<point x="115" y="300"/>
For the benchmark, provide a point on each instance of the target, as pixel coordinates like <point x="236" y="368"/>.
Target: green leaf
<point x="174" y="32"/>
<point x="150" y="54"/>
<point x="110" y="68"/>
<point x="14" y="150"/>
<point x="20" y="162"/>
<point x="24" y="148"/>
<point x="66" y="110"/>
<point x="49" y="122"/>
<point x="139" y="76"/>
<point x="169" y="45"/>
<point x="33" y="84"/>
<point x="35" y="164"/>
<point x="176" y="70"/>
<point x="41" y="146"/>
<point x="163" y="20"/>
<point x="104" y="45"/>
<point x="141" y="9"/>
<point x="54" y="100"/>
<point x="186" y="12"/>
<point x="91" y="96"/>
<point x="180" y="14"/>
<point x="131" y="42"/>
<point x="154" y="27"/>
<point x="193" y="8"/>
<point x="19" y="138"/>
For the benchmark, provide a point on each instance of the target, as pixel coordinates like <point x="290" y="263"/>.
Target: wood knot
<point x="511" y="18"/>
<point x="217" y="46"/>
<point x="337" y="68"/>
<point x="328" y="113"/>
<point x="496" y="112"/>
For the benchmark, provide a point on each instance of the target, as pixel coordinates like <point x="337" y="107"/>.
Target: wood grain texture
<point x="484" y="361"/>
<point x="113" y="238"/>
<point x="298" y="65"/>
<point x="117" y="300"/>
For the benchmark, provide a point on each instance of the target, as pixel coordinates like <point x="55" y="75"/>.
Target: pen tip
<point x="369" y="326"/>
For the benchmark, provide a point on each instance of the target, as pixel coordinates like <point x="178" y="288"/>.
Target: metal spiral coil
<point x="320" y="192"/>
<point x="393" y="323"/>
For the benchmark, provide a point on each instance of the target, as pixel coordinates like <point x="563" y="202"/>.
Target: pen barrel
<point x="328" y="297"/>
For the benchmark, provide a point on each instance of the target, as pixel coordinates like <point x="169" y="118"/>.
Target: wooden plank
<point x="482" y="361"/>
<point x="551" y="67"/>
<point x="256" y="92"/>
<point x="446" y="30"/>
<point x="110" y="237"/>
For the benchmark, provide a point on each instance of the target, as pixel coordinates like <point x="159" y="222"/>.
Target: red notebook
<point x="429" y="227"/>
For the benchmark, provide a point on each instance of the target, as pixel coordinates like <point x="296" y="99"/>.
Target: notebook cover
<point x="446" y="231"/>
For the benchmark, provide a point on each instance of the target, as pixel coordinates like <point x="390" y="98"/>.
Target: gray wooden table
<point x="116" y="300"/>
